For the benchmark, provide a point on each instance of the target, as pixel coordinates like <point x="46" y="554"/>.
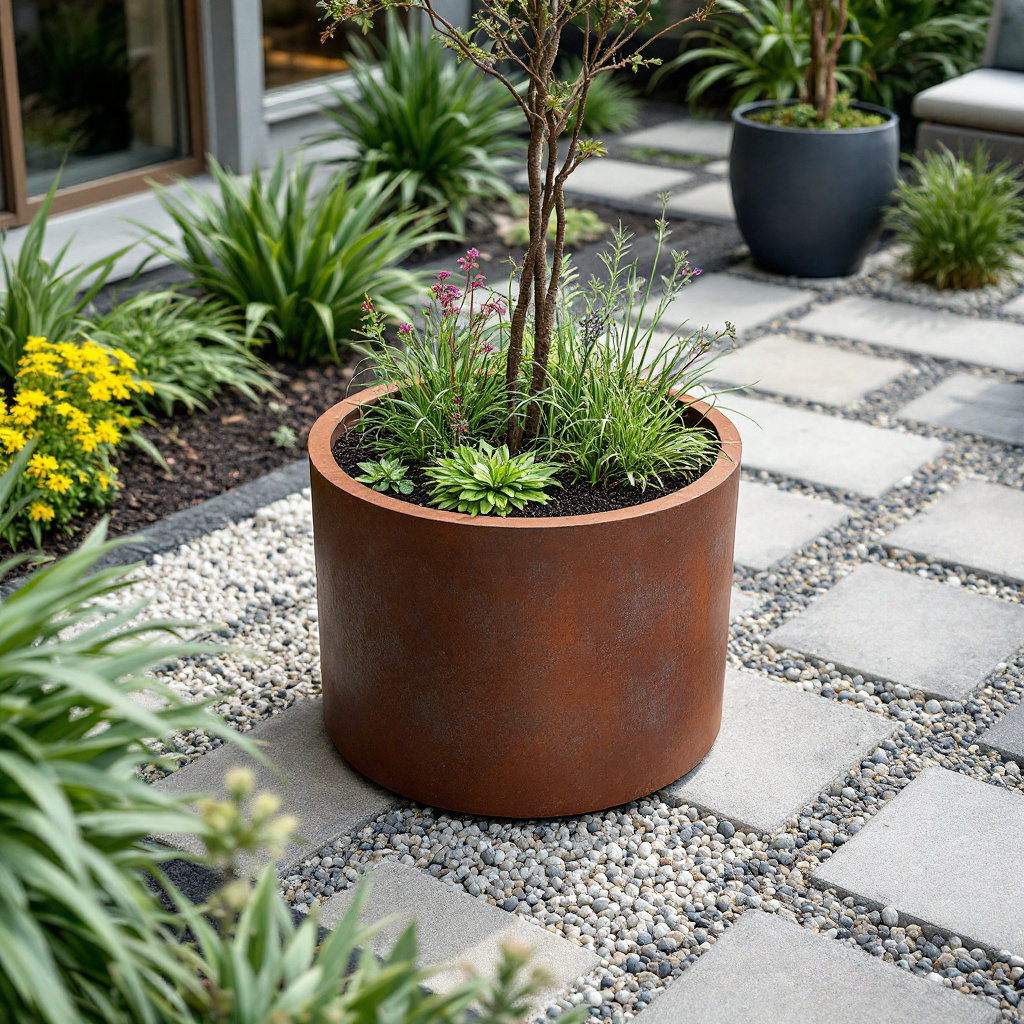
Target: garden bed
<point x="213" y="452"/>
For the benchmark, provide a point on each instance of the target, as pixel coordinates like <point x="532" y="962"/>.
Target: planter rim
<point x="328" y="426"/>
<point x="739" y="115"/>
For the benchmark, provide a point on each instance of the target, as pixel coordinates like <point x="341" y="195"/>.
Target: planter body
<point x="811" y="203"/>
<point x="522" y="667"/>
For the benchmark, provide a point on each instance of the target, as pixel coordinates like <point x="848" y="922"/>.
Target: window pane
<point x="102" y="87"/>
<point x="292" y="51"/>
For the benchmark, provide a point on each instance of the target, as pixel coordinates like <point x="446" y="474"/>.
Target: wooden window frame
<point x="20" y="207"/>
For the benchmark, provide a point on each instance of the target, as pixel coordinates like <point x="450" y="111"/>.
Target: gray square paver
<point x="743" y="603"/>
<point x="327" y="795"/>
<point x="974" y="405"/>
<point x="1007" y="735"/>
<point x="455" y="928"/>
<point x="689" y="135"/>
<point x="765" y="970"/>
<point x="778" y="748"/>
<point x="929" y="332"/>
<point x="838" y="453"/>
<point x="716" y="167"/>
<point x="800" y="369"/>
<point x="979" y="526"/>
<point x="713" y="199"/>
<point x="772" y="524"/>
<point x="945" y="852"/>
<point x="891" y="625"/>
<point x="622" y="179"/>
<point x="1015" y="306"/>
<point x="712" y="299"/>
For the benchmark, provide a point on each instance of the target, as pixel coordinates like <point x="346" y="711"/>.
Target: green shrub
<point x="445" y="387"/>
<point x="904" y="46"/>
<point x="40" y="299"/>
<point x="439" y="128"/>
<point x="295" y="265"/>
<point x="486" y="479"/>
<point x="612" y="106"/>
<point x="82" y="939"/>
<point x="963" y="222"/>
<point x="187" y="349"/>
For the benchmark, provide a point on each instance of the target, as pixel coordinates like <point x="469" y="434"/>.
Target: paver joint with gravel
<point x="854" y="839"/>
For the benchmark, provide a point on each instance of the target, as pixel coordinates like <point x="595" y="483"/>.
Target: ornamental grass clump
<point x="962" y="221"/>
<point x="293" y="263"/>
<point x="72" y="400"/>
<point x="441" y="129"/>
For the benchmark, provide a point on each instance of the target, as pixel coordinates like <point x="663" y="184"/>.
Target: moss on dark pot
<point x="811" y="202"/>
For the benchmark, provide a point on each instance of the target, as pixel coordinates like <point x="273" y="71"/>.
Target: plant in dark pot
<point x="811" y="178"/>
<point x="533" y="622"/>
<point x="811" y="170"/>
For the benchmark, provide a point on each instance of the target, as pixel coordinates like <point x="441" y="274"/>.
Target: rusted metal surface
<point x="522" y="667"/>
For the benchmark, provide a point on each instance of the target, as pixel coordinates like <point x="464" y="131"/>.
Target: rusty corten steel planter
<point x="522" y="668"/>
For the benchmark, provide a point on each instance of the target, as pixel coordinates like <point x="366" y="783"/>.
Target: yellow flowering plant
<point x="71" y="398"/>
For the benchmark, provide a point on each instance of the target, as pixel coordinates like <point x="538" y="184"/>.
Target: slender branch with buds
<point x="527" y="34"/>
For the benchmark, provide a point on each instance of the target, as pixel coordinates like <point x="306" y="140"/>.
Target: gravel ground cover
<point x="648" y="886"/>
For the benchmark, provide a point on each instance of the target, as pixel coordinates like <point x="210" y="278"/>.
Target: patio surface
<point x="853" y="847"/>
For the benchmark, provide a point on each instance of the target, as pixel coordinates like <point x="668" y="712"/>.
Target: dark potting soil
<point x="573" y="498"/>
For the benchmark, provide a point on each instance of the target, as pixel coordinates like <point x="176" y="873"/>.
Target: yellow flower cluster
<point x="67" y="396"/>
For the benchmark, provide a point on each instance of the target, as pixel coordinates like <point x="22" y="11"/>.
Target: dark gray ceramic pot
<point x="810" y="203"/>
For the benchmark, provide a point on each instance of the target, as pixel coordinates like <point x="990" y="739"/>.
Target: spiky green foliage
<point x="612" y="414"/>
<point x="188" y="349"/>
<point x="760" y="49"/>
<point x="487" y="480"/>
<point x="43" y="297"/>
<point x="385" y="475"/>
<point x="83" y="939"/>
<point x="962" y="220"/>
<point x="297" y="265"/>
<point x="904" y="46"/>
<point x="612" y="106"/>
<point x="439" y="128"/>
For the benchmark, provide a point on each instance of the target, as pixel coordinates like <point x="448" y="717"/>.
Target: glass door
<point x="103" y="94"/>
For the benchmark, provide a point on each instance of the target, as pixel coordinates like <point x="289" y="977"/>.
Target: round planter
<point x="811" y="203"/>
<point x="522" y="668"/>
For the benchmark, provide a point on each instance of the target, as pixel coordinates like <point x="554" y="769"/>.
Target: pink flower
<point x="443" y="274"/>
<point x="405" y="328"/>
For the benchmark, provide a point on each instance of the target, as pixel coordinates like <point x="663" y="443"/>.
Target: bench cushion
<point x="989" y="99"/>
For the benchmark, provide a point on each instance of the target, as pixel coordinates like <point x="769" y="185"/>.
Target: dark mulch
<point x="572" y="498"/>
<point x="212" y="452"/>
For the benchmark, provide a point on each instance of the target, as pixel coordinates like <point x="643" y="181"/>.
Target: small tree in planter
<point x="828" y="32"/>
<point x="524" y="35"/>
